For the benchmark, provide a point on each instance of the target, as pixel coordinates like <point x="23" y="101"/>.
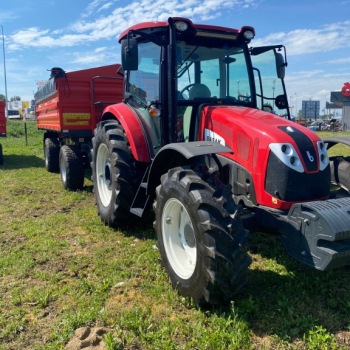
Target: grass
<point x="61" y="269"/>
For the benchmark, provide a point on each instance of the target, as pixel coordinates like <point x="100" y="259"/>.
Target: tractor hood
<point x="251" y="133"/>
<point x="251" y="123"/>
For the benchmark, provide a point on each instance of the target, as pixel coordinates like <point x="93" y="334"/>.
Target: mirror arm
<point x="285" y="56"/>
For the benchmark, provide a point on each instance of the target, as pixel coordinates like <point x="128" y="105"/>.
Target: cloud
<point x="304" y="41"/>
<point x="91" y="28"/>
<point x="315" y="84"/>
<point x="122" y="17"/>
<point x="6" y="16"/>
<point x="101" y="55"/>
<point x="337" y="61"/>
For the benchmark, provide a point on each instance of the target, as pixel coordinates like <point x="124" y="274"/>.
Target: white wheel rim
<point x="179" y="238"/>
<point x="103" y="174"/>
<point x="63" y="170"/>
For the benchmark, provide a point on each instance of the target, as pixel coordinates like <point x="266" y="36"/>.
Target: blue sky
<point x="74" y="35"/>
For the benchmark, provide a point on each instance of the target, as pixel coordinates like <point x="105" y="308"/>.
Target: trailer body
<point x="71" y="103"/>
<point x="69" y="107"/>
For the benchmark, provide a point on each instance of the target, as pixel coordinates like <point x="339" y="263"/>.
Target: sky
<point x="76" y="34"/>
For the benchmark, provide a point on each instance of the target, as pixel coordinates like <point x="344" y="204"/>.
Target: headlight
<point x="322" y="154"/>
<point x="181" y="26"/>
<point x="287" y="154"/>
<point x="248" y="34"/>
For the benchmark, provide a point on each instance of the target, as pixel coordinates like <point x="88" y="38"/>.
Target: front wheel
<point x="201" y="241"/>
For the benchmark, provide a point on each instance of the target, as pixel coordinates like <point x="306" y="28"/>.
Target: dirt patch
<point x="88" y="338"/>
<point x="343" y="339"/>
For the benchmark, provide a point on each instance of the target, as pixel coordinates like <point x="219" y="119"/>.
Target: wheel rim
<point x="63" y="170"/>
<point x="103" y="174"/>
<point x="179" y="238"/>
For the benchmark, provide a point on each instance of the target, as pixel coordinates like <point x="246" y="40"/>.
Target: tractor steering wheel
<point x="187" y="87"/>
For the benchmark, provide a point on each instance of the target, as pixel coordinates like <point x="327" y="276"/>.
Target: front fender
<point x="132" y="128"/>
<point x="179" y="154"/>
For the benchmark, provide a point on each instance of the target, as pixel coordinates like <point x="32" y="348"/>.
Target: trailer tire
<point x="71" y="168"/>
<point x="51" y="153"/>
<point x="201" y="241"/>
<point x="1" y="155"/>
<point x="115" y="173"/>
<point x="340" y="171"/>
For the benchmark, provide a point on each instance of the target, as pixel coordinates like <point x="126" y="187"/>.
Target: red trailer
<point x="68" y="107"/>
<point x="2" y="126"/>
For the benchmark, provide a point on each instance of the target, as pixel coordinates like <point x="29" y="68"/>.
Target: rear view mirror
<point x="280" y="65"/>
<point x="130" y="54"/>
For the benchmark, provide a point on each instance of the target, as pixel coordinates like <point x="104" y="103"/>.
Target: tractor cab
<point x="175" y="68"/>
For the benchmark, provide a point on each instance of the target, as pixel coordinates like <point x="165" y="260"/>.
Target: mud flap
<point x="318" y="233"/>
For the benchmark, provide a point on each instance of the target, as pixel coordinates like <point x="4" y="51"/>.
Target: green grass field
<point x="61" y="269"/>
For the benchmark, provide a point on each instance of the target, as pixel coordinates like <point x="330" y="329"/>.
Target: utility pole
<point x="3" y="47"/>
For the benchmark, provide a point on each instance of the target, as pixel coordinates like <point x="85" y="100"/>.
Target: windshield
<point x="212" y="73"/>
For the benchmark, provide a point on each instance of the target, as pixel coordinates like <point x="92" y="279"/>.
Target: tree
<point x="2" y="98"/>
<point x="15" y="98"/>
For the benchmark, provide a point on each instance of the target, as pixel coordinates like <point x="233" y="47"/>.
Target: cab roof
<point x="159" y="24"/>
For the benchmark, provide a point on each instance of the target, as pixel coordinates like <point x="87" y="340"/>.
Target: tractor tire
<point x="71" y="168"/>
<point x="201" y="238"/>
<point x="340" y="172"/>
<point x="115" y="173"/>
<point x="1" y="155"/>
<point x="51" y="153"/>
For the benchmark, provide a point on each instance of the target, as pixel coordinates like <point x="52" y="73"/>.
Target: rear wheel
<point x="201" y="238"/>
<point x="51" y="153"/>
<point x="71" y="168"/>
<point x="1" y="155"/>
<point x="115" y="173"/>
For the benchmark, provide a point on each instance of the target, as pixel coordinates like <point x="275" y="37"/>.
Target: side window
<point x="144" y="83"/>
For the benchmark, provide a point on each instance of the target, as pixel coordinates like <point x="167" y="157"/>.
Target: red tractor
<point x="203" y="133"/>
<point x="2" y="127"/>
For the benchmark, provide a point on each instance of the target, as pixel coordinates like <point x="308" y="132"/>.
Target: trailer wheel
<point x="340" y="171"/>
<point x="71" y="168"/>
<point x="51" y="153"/>
<point x="115" y="174"/>
<point x="201" y="241"/>
<point x="1" y="155"/>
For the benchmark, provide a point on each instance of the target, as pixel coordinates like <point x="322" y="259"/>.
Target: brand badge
<point x="311" y="158"/>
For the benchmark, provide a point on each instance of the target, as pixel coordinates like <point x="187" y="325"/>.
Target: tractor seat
<point x="199" y="91"/>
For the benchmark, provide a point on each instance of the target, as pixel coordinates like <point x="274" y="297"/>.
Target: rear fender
<point x="179" y="154"/>
<point x="132" y="128"/>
